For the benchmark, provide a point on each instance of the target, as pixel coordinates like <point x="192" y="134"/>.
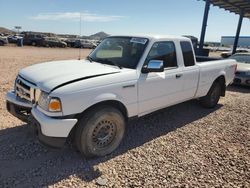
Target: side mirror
<point x="153" y="66"/>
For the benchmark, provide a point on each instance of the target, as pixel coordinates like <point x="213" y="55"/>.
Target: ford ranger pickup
<point x="91" y="100"/>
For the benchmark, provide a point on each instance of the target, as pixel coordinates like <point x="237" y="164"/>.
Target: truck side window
<point x="164" y="51"/>
<point x="187" y="52"/>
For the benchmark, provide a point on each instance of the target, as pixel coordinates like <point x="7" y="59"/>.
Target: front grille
<point x="242" y="73"/>
<point x="24" y="89"/>
<point x="237" y="73"/>
<point x="237" y="81"/>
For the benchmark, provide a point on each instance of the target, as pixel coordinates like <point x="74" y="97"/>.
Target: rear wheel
<point x="213" y="96"/>
<point x="1" y="43"/>
<point x="100" y="131"/>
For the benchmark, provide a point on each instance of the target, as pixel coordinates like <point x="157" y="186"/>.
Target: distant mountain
<point x="6" y="31"/>
<point x="99" y="36"/>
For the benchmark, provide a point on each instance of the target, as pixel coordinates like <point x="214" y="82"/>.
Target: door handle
<point x="178" y="75"/>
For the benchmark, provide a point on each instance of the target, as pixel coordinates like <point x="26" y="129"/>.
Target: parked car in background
<point x="98" y="42"/>
<point x="70" y="42"/>
<point x="14" y="38"/>
<point x="54" y="42"/>
<point x="242" y="75"/>
<point x="84" y="44"/>
<point x="33" y="39"/>
<point x="3" y="40"/>
<point x="229" y="53"/>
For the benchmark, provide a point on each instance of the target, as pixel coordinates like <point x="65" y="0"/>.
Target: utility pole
<point x="80" y="33"/>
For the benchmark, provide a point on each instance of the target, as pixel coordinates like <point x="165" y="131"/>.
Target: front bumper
<point x="54" y="142"/>
<point x="53" y="127"/>
<point x="51" y="131"/>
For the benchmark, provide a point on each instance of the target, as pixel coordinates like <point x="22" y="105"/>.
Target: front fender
<point x="106" y="97"/>
<point x="76" y="103"/>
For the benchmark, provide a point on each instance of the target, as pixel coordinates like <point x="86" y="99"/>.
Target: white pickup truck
<point x="124" y="77"/>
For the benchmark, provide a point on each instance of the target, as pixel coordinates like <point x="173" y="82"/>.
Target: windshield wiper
<point x="90" y="59"/>
<point x="110" y="62"/>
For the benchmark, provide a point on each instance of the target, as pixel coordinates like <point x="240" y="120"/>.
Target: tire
<point x="100" y="131"/>
<point x="1" y="43"/>
<point x="33" y="43"/>
<point x="213" y="96"/>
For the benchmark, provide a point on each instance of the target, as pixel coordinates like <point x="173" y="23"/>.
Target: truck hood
<point x="51" y="75"/>
<point x="243" y="67"/>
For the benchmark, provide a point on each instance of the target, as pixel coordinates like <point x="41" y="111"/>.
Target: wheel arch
<point x="112" y="103"/>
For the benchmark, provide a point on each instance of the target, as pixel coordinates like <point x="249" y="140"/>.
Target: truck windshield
<point x="124" y="52"/>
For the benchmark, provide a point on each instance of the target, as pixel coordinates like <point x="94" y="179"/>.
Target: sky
<point x="162" y="17"/>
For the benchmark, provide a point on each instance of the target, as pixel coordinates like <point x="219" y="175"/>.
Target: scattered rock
<point x="101" y="181"/>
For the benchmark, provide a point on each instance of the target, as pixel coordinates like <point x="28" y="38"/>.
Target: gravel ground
<point x="181" y="146"/>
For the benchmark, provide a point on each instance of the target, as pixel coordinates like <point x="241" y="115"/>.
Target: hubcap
<point x="103" y="133"/>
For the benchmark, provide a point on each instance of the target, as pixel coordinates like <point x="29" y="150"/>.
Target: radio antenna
<point x="80" y="33"/>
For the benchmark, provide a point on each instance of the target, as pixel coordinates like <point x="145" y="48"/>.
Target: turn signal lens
<point x="55" y="105"/>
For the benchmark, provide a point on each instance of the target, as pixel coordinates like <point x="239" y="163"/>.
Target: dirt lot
<point x="181" y="146"/>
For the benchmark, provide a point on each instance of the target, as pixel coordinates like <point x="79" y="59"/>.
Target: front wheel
<point x="100" y="131"/>
<point x="213" y="96"/>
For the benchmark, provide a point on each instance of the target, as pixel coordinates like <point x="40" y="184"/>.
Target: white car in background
<point x="3" y="40"/>
<point x="14" y="38"/>
<point x="242" y="75"/>
<point x="229" y="53"/>
<point x="85" y="44"/>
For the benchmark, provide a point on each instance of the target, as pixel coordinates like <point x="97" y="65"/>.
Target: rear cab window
<point x="187" y="52"/>
<point x="164" y="51"/>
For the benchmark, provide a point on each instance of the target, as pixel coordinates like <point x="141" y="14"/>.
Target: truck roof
<point x="155" y="37"/>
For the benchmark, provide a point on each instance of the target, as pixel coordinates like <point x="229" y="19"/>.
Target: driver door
<point x="159" y="90"/>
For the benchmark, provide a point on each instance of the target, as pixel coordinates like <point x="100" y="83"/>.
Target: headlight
<point x="43" y="100"/>
<point x="51" y="104"/>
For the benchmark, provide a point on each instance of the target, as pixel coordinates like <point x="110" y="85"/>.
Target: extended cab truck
<point x="124" y="77"/>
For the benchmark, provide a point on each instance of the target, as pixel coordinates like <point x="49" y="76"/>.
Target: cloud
<point x="75" y="16"/>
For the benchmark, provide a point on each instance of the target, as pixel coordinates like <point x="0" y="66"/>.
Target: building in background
<point x="244" y="41"/>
